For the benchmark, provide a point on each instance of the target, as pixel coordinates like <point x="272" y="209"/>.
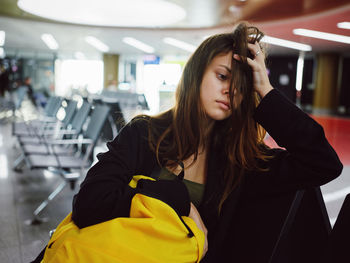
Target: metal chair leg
<point x="37" y="220"/>
<point x="18" y="163"/>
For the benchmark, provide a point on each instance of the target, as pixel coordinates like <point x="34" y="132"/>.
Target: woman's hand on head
<point x="261" y="80"/>
<point x="194" y="214"/>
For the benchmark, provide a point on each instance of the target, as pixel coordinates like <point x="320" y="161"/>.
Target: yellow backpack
<point x="154" y="232"/>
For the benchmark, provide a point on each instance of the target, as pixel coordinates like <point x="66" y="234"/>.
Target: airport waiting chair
<point x="279" y="227"/>
<point x="51" y="128"/>
<point x="142" y="101"/>
<point x="39" y="144"/>
<point x="305" y="231"/>
<point x="69" y="167"/>
<point x="72" y="129"/>
<point x="116" y="121"/>
<point x="51" y="108"/>
<point x="36" y="126"/>
<point x="69" y="114"/>
<point x="125" y="99"/>
<point x="339" y="240"/>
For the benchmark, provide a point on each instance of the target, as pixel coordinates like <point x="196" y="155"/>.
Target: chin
<point x="219" y="117"/>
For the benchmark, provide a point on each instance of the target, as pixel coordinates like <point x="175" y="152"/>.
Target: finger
<point x="255" y="50"/>
<point x="239" y="58"/>
<point x="253" y="64"/>
<point x="254" y="47"/>
<point x="236" y="57"/>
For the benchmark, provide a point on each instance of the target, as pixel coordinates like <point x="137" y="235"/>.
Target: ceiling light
<point x="2" y="38"/>
<point x="322" y="35"/>
<point x="286" y="43"/>
<point x="130" y="13"/>
<point x="345" y="25"/>
<point x="179" y="44"/>
<point x="138" y="44"/>
<point x="96" y="43"/>
<point x="50" y="41"/>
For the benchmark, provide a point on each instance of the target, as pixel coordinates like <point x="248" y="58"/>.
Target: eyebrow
<point x="227" y="68"/>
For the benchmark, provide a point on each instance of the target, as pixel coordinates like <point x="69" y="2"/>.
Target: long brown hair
<point x="185" y="123"/>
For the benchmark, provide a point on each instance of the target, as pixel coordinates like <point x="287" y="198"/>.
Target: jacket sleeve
<point x="309" y="160"/>
<point x="105" y="194"/>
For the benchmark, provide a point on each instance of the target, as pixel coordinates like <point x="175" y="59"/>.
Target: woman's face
<point x="214" y="90"/>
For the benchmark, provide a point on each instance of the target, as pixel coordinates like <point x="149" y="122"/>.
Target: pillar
<point x="111" y="64"/>
<point x="326" y="85"/>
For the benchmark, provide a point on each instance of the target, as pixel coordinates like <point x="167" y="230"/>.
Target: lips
<point x="223" y="104"/>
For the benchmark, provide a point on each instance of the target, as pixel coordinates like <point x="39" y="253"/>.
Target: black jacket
<point x="308" y="161"/>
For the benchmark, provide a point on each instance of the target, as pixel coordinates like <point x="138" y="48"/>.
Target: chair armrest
<point x="71" y="141"/>
<point x="60" y="132"/>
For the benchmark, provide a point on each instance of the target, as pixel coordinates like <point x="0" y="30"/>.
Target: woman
<point x="213" y="139"/>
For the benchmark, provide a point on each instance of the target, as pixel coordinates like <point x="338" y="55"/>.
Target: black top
<point x="308" y="161"/>
<point x="195" y="190"/>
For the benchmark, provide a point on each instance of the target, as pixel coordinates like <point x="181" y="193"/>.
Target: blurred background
<point x="141" y="46"/>
<point x="129" y="55"/>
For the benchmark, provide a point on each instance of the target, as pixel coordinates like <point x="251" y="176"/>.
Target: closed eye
<point x="222" y="77"/>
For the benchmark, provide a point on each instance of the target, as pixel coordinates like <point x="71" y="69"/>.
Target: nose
<point x="225" y="91"/>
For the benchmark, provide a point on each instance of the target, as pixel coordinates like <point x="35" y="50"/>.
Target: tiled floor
<point x="21" y="193"/>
